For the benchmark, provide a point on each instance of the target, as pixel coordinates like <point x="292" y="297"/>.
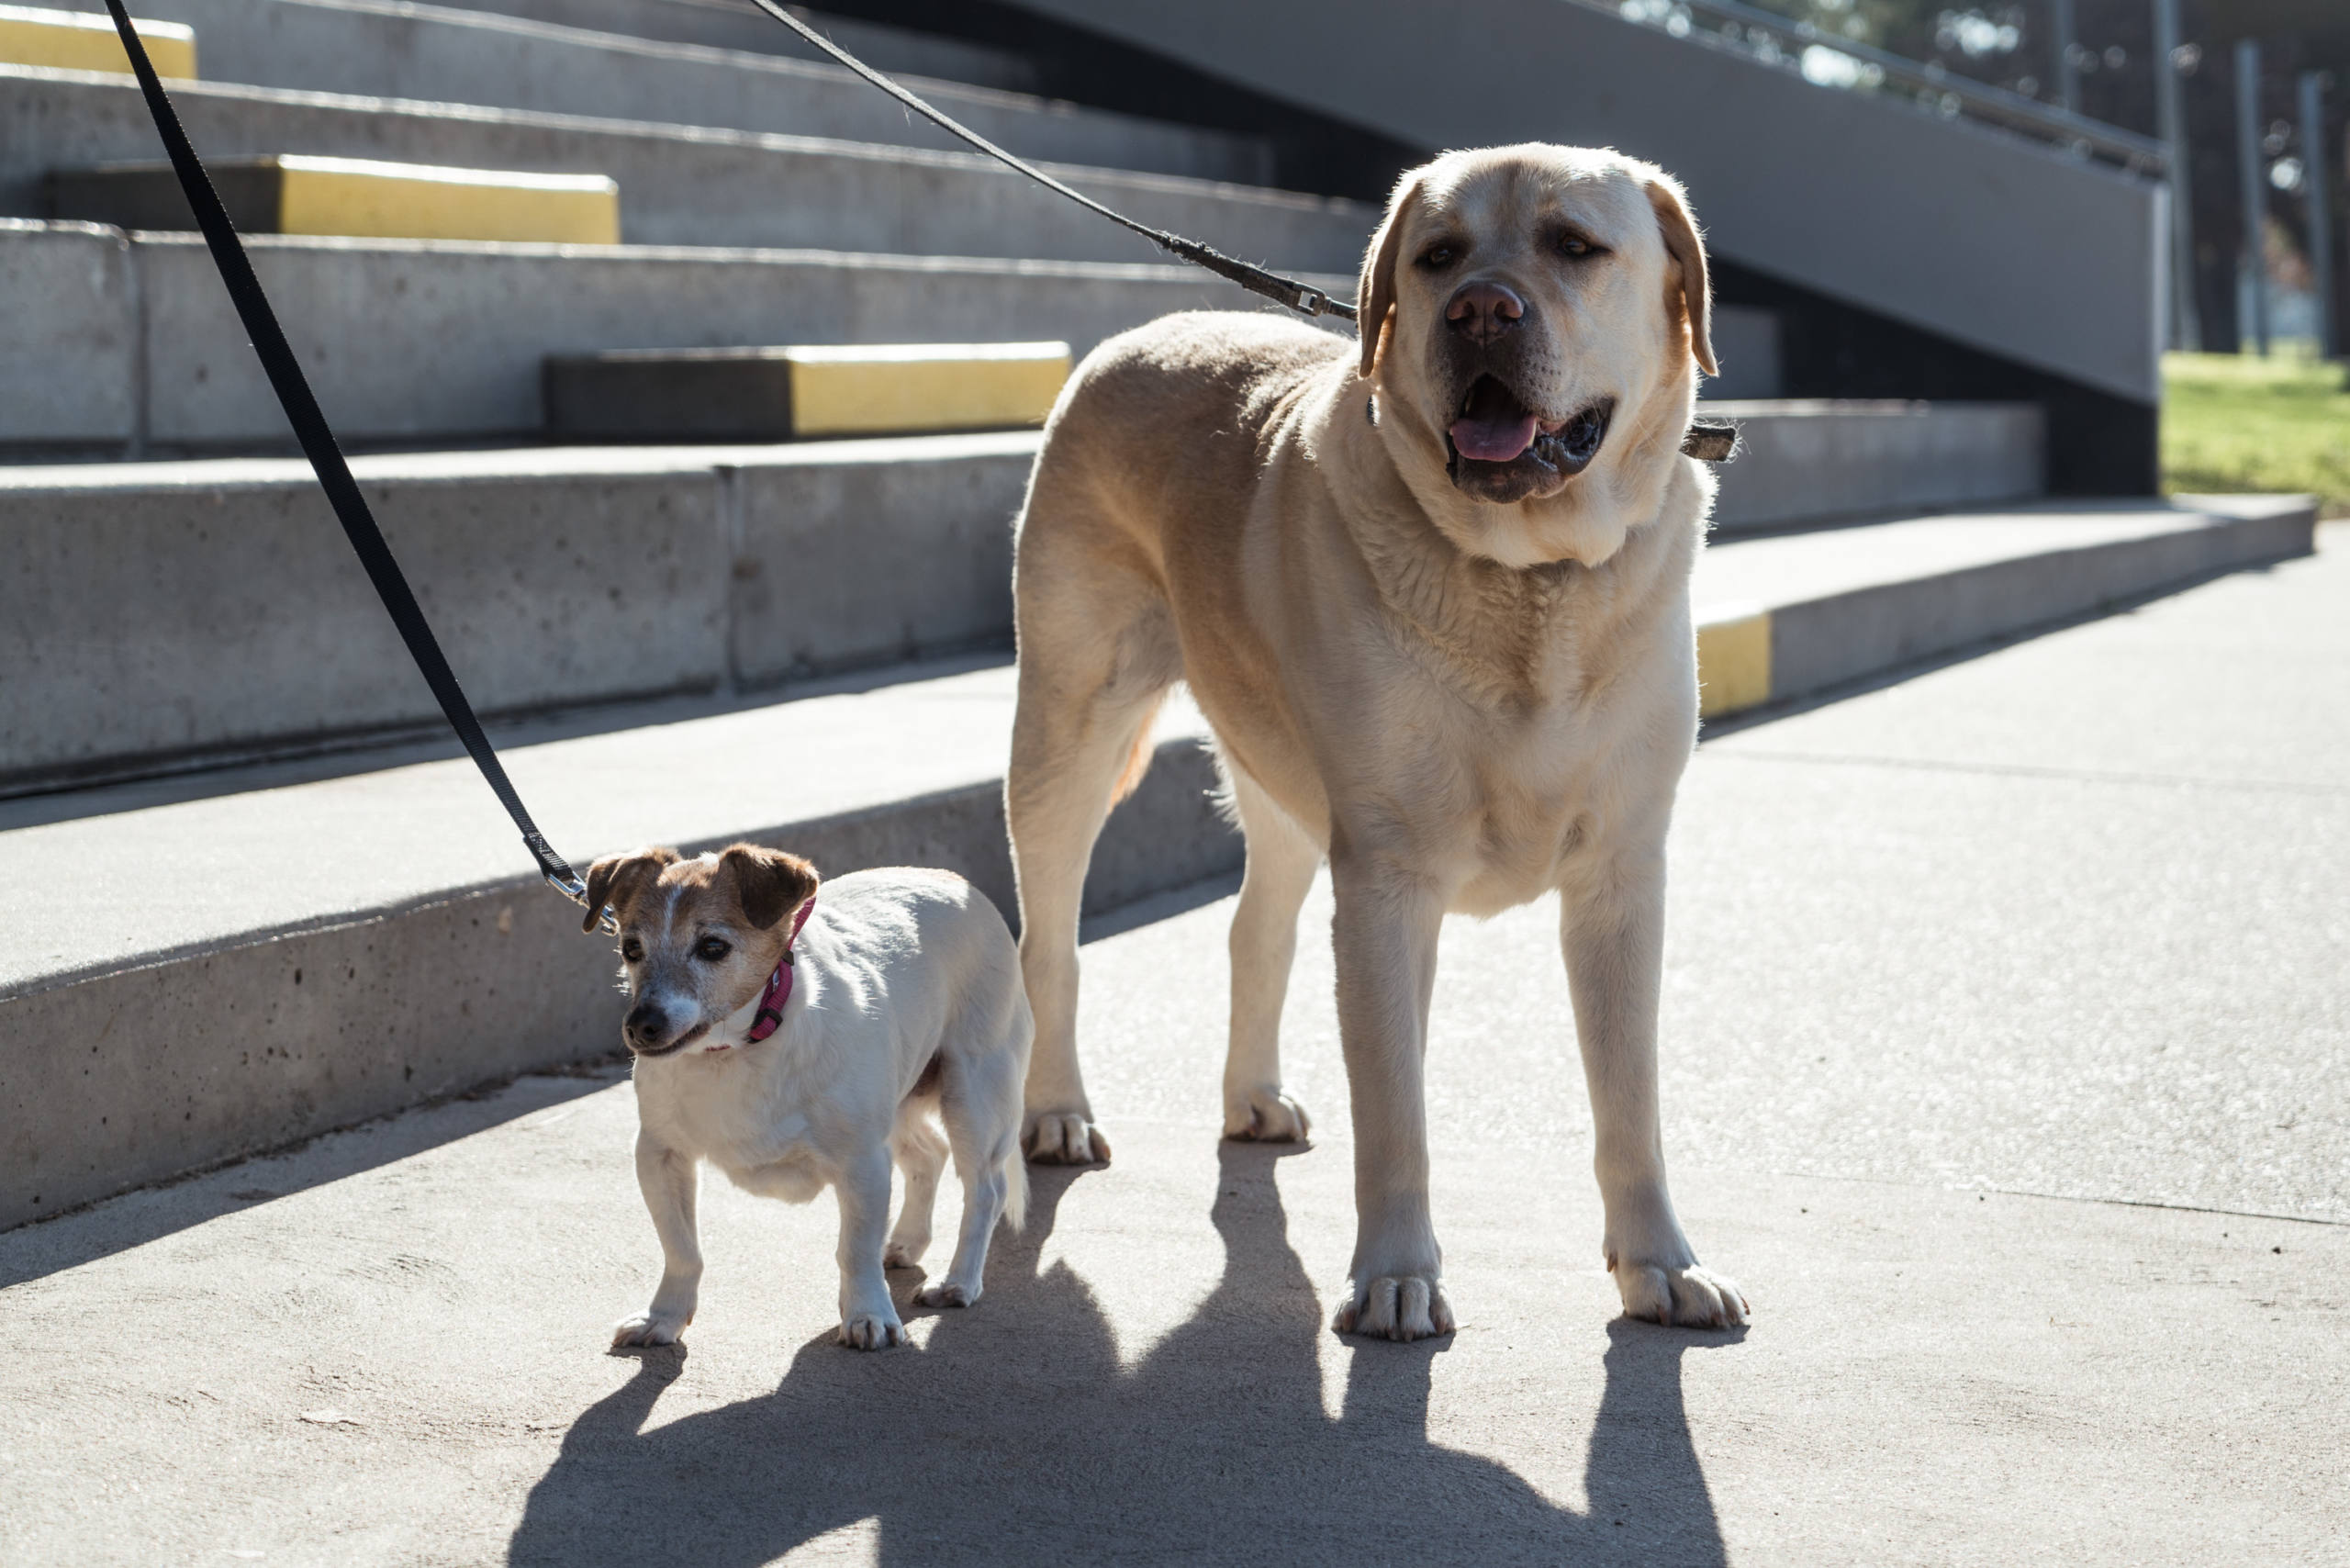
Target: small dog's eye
<point x="632" y="949"/>
<point x="710" y="950"/>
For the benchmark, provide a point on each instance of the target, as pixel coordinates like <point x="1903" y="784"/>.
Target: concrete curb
<point x="1749" y="657"/>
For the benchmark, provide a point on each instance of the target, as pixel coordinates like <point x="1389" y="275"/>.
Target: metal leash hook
<point x="568" y="884"/>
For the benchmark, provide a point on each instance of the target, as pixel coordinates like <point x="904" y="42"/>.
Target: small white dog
<point x="798" y="1045"/>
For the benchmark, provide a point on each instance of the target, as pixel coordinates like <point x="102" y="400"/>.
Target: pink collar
<point x="769" y="1016"/>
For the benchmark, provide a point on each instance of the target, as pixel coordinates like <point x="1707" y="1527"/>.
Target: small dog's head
<point x="1533" y="319"/>
<point x="698" y="937"/>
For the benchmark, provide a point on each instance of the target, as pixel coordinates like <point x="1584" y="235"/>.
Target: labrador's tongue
<point x="1493" y="439"/>
<point x="1495" y="427"/>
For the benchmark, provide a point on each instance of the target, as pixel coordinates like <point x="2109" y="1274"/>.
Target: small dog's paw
<point x="1067" y="1137"/>
<point x="1405" y="1307"/>
<point x="648" y="1328"/>
<point x="946" y="1292"/>
<point x="904" y="1254"/>
<point x="1266" y="1115"/>
<point x="1688" y="1295"/>
<point x="871" y="1331"/>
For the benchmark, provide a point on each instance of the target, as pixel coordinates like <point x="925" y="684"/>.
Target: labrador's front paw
<point x="1065" y="1137"/>
<point x="947" y="1292"/>
<point x="1265" y="1115"/>
<point x="1686" y="1295"/>
<point x="872" y="1330"/>
<point x="1395" y="1306"/>
<point x="650" y="1327"/>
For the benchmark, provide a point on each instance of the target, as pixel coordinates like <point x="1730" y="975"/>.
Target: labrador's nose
<point x="645" y="1025"/>
<point x="1483" y="311"/>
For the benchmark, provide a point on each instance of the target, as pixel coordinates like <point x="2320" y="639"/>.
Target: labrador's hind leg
<point x="1097" y="655"/>
<point x="1282" y="862"/>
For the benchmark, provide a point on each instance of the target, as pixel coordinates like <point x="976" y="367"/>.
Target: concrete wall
<point x="1998" y="242"/>
<point x="416" y="340"/>
<point x="160" y="611"/>
<point x="681" y="185"/>
<point x="1812" y="462"/>
<point x="394" y="50"/>
<point x="70" y="335"/>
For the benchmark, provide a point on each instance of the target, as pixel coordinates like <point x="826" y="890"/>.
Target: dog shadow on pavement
<point x="1016" y="1436"/>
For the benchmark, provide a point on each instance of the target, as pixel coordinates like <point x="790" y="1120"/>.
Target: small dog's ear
<point x="770" y="883"/>
<point x="615" y="879"/>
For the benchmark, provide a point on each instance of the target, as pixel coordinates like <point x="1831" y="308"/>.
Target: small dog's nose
<point x="645" y="1025"/>
<point x="1483" y="311"/>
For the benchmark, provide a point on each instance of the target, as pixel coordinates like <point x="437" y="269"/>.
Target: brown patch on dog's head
<point x="1532" y="392"/>
<point x="615" y="881"/>
<point x="770" y="885"/>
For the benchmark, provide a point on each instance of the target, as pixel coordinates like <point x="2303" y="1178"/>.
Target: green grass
<point x="2233" y="423"/>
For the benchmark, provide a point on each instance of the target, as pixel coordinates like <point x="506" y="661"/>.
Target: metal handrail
<point x="2012" y="111"/>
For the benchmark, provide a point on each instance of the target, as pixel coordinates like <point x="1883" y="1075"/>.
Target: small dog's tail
<point x="1015" y="1188"/>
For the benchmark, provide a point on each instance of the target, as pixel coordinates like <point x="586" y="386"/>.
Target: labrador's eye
<point x="710" y="950"/>
<point x="1441" y="254"/>
<point x="1576" y="246"/>
<point x="632" y="950"/>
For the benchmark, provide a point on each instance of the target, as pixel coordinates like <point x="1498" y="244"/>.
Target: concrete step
<point x="1805" y="461"/>
<point x="422" y="341"/>
<point x="257" y="635"/>
<point x="739" y="25"/>
<point x="782" y="393"/>
<point x="219" y="973"/>
<point x="682" y="185"/>
<point x="293" y="192"/>
<point x="387" y="49"/>
<point x="75" y="40"/>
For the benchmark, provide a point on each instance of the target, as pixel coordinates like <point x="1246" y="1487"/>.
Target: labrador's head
<point x="1532" y="321"/>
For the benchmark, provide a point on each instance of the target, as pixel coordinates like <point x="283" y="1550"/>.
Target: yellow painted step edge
<point x="881" y="388"/>
<point x="361" y="196"/>
<point x="1733" y="660"/>
<point x="79" y="41"/>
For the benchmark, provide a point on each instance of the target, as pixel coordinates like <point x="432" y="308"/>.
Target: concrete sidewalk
<point x="1965" y="974"/>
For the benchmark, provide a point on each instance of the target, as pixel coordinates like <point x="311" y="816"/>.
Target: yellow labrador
<point x="1432" y="594"/>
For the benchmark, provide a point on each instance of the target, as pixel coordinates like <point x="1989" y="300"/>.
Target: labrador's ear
<point x="768" y="883"/>
<point x="1688" y="293"/>
<point x="616" y="878"/>
<point x="1375" y="294"/>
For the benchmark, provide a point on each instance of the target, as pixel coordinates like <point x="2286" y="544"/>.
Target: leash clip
<point x="1309" y="300"/>
<point x="572" y="887"/>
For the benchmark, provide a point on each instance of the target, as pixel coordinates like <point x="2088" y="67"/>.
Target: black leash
<point x="292" y="390"/>
<point x="1710" y="441"/>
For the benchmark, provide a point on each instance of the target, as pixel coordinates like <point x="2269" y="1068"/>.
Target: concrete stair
<point x="387" y="48"/>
